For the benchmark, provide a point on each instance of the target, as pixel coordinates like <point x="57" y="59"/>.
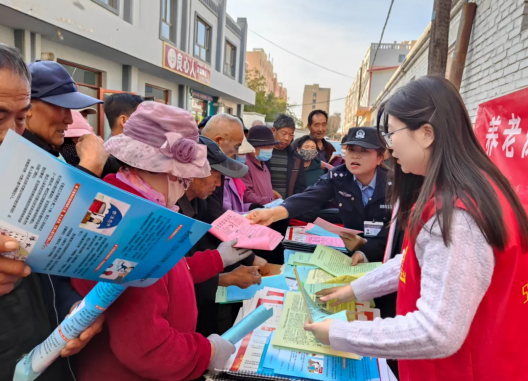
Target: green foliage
<point x="265" y="103"/>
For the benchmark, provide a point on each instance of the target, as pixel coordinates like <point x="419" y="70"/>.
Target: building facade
<point x="186" y="53"/>
<point x="497" y="58"/>
<point x="258" y="60"/>
<point x="371" y="79"/>
<point x="314" y="98"/>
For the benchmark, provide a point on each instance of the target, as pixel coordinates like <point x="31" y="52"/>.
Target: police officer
<point x="359" y="189"/>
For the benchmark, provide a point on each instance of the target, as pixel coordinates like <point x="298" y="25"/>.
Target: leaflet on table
<point x="231" y="225"/>
<point x="291" y="334"/>
<point x="287" y="253"/>
<point x="236" y="293"/>
<point x="337" y="263"/>
<point x="299" y="259"/>
<point x="249" y="353"/>
<point x="328" y="226"/>
<point x="284" y="362"/>
<point x="302" y="270"/>
<point x="318" y="276"/>
<point x="297" y="235"/>
<point x="317" y="230"/>
<point x="74" y="225"/>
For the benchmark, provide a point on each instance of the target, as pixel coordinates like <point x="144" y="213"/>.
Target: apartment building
<point x="260" y="61"/>
<point x="186" y="53"/>
<point x="371" y="79"/>
<point x="314" y="98"/>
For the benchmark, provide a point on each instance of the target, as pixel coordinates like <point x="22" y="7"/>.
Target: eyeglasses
<point x="388" y="135"/>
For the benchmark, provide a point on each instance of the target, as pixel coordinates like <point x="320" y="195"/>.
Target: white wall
<point x="112" y="72"/>
<point x="497" y="60"/>
<point x="7" y="35"/>
<point x="144" y="78"/>
<point x="379" y="81"/>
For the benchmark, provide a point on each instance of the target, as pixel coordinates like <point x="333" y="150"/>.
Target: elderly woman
<point x="150" y="332"/>
<point x="307" y="148"/>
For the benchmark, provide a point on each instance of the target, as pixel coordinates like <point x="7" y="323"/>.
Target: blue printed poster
<point x="72" y="224"/>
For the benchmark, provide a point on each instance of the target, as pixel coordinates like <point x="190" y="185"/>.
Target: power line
<point x="309" y="104"/>
<point x="298" y="56"/>
<point x="379" y="44"/>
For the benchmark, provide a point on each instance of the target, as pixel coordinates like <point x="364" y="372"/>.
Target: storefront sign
<point x="203" y="97"/>
<point x="502" y="129"/>
<point x="181" y="63"/>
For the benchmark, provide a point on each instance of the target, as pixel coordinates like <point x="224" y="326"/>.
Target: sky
<point x="333" y="33"/>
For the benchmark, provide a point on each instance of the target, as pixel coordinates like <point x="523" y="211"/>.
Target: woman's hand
<point x="321" y="330"/>
<point x="76" y="345"/>
<point x="343" y="294"/>
<point x="352" y="242"/>
<point x="242" y="277"/>
<point x="267" y="216"/>
<point x="276" y="194"/>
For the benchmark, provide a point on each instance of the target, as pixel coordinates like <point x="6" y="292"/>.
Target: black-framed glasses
<point x="388" y="135"/>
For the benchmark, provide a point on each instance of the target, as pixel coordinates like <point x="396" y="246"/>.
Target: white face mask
<point x="176" y="190"/>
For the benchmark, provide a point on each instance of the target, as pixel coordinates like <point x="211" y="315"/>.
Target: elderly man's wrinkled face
<point x="203" y="188"/>
<point x="48" y="122"/>
<point x="15" y="97"/>
<point x="231" y="142"/>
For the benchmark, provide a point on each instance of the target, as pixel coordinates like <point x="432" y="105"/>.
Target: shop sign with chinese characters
<point x="502" y="130"/>
<point x="181" y="63"/>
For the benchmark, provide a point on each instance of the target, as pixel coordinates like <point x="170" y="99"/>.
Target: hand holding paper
<point x="337" y="263"/>
<point x="231" y="225"/>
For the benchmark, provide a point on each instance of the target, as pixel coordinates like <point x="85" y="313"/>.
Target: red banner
<point x="181" y="63"/>
<point x="502" y="129"/>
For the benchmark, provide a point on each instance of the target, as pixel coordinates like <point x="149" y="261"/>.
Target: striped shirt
<point x="279" y="171"/>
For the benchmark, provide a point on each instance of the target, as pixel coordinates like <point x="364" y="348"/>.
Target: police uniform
<point x="338" y="184"/>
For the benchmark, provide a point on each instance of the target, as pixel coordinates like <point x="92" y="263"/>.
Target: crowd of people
<point x="459" y="233"/>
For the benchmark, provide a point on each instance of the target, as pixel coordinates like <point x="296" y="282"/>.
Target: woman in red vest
<point x="462" y="277"/>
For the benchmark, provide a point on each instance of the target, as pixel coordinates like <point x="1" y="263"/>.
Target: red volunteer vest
<point x="496" y="348"/>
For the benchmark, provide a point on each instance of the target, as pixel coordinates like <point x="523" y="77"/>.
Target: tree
<point x="265" y="102"/>
<point x="334" y="122"/>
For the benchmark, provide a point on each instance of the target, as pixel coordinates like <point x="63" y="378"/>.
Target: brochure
<point x="71" y="224"/>
<point x="231" y="225"/>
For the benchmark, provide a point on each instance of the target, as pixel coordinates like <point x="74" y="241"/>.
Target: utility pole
<point x="439" y="38"/>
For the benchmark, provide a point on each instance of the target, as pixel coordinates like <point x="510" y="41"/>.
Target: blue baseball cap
<point x="51" y="83"/>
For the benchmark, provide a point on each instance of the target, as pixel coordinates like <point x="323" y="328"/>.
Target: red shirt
<point x="149" y="333"/>
<point x="496" y="344"/>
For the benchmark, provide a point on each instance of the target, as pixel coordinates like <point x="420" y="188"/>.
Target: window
<point x="202" y="40"/>
<point x="127" y="11"/>
<point x="83" y="75"/>
<point x="313" y="107"/>
<point x="313" y="101"/>
<point x="156" y="94"/>
<point x="111" y="5"/>
<point x="401" y="58"/>
<point x="230" y="59"/>
<point x="168" y="8"/>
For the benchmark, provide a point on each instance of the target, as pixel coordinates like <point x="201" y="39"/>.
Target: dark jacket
<point x="313" y="172"/>
<point x="208" y="310"/>
<point x="327" y="147"/>
<point x="338" y="184"/>
<point x="296" y="178"/>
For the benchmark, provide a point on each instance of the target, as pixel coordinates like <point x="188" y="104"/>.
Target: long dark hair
<point x="458" y="169"/>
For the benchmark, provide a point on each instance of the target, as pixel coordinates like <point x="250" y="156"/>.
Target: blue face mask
<point x="241" y="159"/>
<point x="265" y="154"/>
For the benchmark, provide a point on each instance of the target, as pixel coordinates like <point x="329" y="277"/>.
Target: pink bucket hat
<point x="161" y="139"/>
<point x="79" y="127"/>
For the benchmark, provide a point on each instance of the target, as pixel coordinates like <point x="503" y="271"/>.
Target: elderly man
<point x="286" y="166"/>
<point x="317" y="124"/>
<point x="30" y="304"/>
<point x="53" y="96"/>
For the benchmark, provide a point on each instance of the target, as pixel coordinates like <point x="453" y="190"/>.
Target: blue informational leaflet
<point x="277" y="361"/>
<point x="71" y="224"/>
